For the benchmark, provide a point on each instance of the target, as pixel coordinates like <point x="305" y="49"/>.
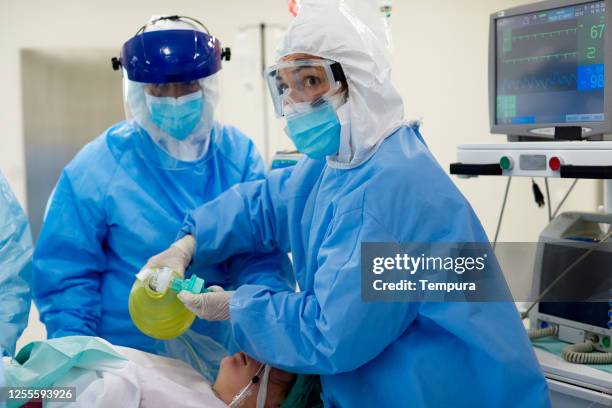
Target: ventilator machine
<point x="550" y="94"/>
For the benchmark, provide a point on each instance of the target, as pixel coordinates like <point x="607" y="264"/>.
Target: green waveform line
<point x="539" y="58"/>
<point x="548" y="34"/>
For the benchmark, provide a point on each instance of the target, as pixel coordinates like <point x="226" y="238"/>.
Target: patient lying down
<point x="105" y="375"/>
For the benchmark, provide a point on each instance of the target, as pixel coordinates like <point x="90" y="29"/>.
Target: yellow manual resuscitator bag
<point x="154" y="306"/>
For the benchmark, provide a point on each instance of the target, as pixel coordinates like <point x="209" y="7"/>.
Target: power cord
<point x="537" y="194"/>
<point x="569" y="191"/>
<point x="539" y="199"/>
<point x="501" y="214"/>
<point x="549" y="204"/>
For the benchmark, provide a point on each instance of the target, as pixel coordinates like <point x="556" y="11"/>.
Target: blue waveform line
<point x="555" y="80"/>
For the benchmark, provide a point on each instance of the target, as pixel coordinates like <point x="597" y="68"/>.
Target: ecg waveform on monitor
<point x="533" y="83"/>
<point x="539" y="58"/>
<point x="548" y="34"/>
<point x="522" y="46"/>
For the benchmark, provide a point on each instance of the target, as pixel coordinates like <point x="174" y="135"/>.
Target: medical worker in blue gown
<point x="125" y="195"/>
<point x="368" y="177"/>
<point x="15" y="270"/>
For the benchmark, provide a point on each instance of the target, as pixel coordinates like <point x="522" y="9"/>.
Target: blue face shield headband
<point x="166" y="56"/>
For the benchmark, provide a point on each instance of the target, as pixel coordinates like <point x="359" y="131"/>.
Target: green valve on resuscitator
<point x="194" y="285"/>
<point x="506" y="163"/>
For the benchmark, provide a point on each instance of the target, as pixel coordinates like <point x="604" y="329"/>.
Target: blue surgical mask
<point x="315" y="133"/>
<point x="176" y="116"/>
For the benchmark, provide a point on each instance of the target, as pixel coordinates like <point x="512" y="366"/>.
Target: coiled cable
<point x="584" y="353"/>
<point x="546" y="332"/>
<point x="581" y="353"/>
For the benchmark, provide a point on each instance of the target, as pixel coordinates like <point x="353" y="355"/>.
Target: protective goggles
<point x="302" y="84"/>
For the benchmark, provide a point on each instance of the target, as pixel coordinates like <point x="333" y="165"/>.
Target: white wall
<point x="440" y="67"/>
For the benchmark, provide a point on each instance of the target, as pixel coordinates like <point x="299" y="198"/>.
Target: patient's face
<point x="237" y="371"/>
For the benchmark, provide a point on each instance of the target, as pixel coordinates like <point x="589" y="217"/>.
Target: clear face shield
<point x="178" y="116"/>
<point x="301" y="85"/>
<point x="170" y="85"/>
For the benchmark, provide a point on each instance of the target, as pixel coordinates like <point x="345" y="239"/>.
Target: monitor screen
<point x="583" y="294"/>
<point x="550" y="66"/>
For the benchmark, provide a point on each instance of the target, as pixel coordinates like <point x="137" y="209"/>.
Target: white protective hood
<point x="331" y="29"/>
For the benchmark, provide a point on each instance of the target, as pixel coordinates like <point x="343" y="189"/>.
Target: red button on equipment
<point x="554" y="163"/>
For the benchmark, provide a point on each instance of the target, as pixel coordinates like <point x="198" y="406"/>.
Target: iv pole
<point x="264" y="101"/>
<point x="262" y="28"/>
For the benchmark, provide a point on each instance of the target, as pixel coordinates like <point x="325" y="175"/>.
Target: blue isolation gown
<point x="15" y="269"/>
<point x="120" y="201"/>
<point x="2" y="380"/>
<point x="377" y="354"/>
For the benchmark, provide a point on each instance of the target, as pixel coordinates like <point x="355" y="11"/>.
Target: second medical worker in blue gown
<point x="368" y="178"/>
<point x="15" y="272"/>
<point x="125" y="195"/>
